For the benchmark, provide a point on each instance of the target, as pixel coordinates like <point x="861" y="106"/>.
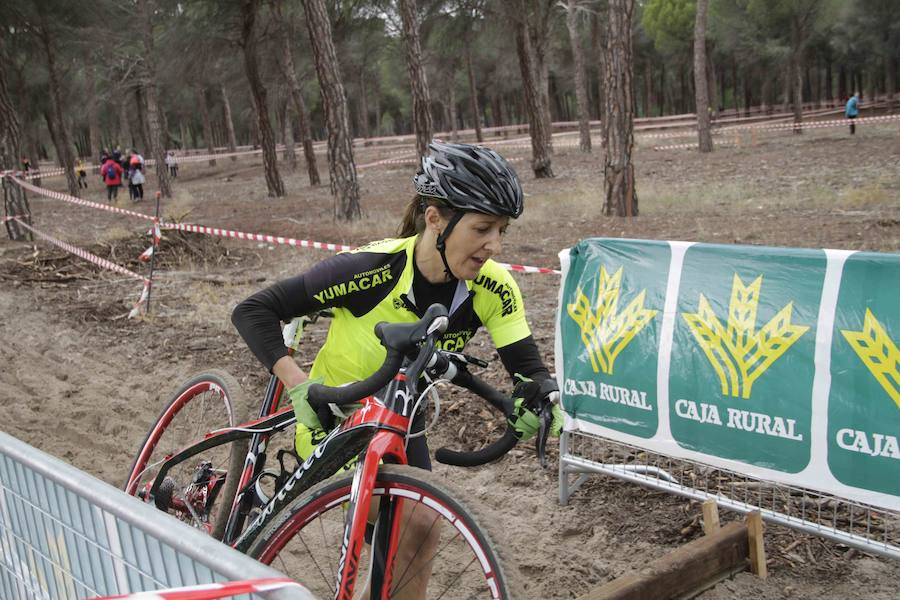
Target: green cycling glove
<point x="528" y="400"/>
<point x="305" y="413"/>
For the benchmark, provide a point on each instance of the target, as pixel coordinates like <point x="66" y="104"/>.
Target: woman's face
<point x="474" y="239"/>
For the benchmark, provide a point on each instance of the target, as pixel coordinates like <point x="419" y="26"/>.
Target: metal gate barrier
<point x="67" y="535"/>
<point x="857" y="525"/>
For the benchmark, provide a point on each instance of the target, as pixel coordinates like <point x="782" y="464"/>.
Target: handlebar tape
<point x="487" y="454"/>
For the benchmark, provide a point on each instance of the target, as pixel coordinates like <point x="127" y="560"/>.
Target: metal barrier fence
<point x="866" y="528"/>
<point x="67" y="535"/>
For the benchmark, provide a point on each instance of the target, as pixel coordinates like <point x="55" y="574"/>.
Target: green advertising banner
<point x="611" y="309"/>
<point x="778" y="363"/>
<point x="741" y="369"/>
<point x="864" y="402"/>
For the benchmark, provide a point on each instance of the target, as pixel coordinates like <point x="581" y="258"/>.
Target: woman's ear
<point x="433" y="219"/>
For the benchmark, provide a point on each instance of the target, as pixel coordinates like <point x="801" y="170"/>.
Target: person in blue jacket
<point x="852" y="111"/>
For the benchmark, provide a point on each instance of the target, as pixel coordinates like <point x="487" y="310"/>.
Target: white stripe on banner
<point x="667" y="335"/>
<point x="821" y="388"/>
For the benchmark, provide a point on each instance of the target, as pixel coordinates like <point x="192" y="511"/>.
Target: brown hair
<point x="414" y="217"/>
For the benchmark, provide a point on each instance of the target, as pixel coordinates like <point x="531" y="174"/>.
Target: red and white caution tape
<point x="527" y="269"/>
<point x="809" y="124"/>
<point x="212" y="591"/>
<point x="141" y="305"/>
<point x="256" y="237"/>
<point x="101" y="262"/>
<point x="272" y="239"/>
<point x="690" y="146"/>
<point x="79" y="201"/>
<point x="157" y="236"/>
<point x="771" y="127"/>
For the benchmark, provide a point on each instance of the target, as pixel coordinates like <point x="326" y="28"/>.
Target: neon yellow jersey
<point x="374" y="283"/>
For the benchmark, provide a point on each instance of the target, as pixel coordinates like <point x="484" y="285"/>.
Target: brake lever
<point x="540" y="441"/>
<point x="548" y="388"/>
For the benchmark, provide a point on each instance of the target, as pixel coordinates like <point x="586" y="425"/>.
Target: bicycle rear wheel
<point x="304" y="540"/>
<point x="201" y="489"/>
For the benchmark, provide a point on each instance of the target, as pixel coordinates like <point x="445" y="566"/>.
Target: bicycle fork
<point x="385" y="445"/>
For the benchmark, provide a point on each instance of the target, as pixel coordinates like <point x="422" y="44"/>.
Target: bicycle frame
<point x="380" y="428"/>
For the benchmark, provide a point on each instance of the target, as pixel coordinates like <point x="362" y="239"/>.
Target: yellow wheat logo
<point x="605" y="332"/>
<point x="739" y="354"/>
<point x="878" y="352"/>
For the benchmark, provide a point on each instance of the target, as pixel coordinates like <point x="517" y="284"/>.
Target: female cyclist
<point x="465" y="197"/>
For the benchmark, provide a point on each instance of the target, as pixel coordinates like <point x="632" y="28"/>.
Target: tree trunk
<point x="33" y="140"/>
<point x="341" y="167"/>
<point x="618" y="169"/>
<point x="797" y="73"/>
<point x="473" y="93"/>
<point x="417" y="81"/>
<point x="10" y="131"/>
<point x="249" y="41"/>
<point x="597" y="57"/>
<point x="663" y="105"/>
<point x="207" y="124"/>
<point x="711" y="84"/>
<point x="363" y="105"/>
<point x="829" y="81"/>
<point x="537" y="32"/>
<point x="287" y="127"/>
<point x="290" y="73"/>
<point x="93" y="114"/>
<point x="766" y="94"/>
<point x="890" y="81"/>
<point x="156" y="147"/>
<point x="534" y="99"/>
<point x="64" y="146"/>
<point x="454" y="134"/>
<point x="124" y="137"/>
<point x="701" y="91"/>
<point x="378" y="114"/>
<point x="143" y="130"/>
<point x="584" y="126"/>
<point x="229" y="122"/>
<point x="648" y="90"/>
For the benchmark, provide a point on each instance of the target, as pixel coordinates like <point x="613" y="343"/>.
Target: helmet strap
<point x="441" y="243"/>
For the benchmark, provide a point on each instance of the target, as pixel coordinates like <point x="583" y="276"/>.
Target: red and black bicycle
<point x="383" y="528"/>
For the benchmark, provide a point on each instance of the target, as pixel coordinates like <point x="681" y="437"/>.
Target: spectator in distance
<point x="112" y="171"/>
<point x="852" y="111"/>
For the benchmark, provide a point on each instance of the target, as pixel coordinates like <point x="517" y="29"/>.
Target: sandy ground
<point x="84" y="384"/>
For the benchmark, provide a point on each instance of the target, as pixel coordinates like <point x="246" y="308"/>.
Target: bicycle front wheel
<point x="304" y="540"/>
<point x="199" y="490"/>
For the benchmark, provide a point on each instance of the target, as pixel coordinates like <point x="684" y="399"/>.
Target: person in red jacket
<point x="112" y="176"/>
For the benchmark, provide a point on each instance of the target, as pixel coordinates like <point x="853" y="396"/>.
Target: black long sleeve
<point x="524" y="358"/>
<point x="258" y="318"/>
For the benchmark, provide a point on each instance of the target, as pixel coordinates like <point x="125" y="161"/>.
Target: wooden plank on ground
<point x="685" y="571"/>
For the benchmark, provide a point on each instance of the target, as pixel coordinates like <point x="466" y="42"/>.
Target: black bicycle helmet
<point x="470" y="178"/>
